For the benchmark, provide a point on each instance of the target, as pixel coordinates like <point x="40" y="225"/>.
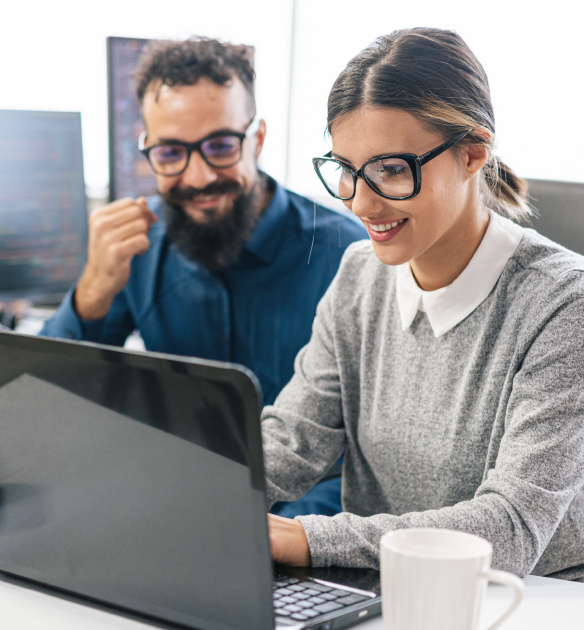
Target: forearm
<point x="297" y="453"/>
<point x="519" y="521"/>
<point x="112" y="330"/>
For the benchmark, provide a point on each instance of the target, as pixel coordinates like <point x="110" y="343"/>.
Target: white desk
<point x="548" y="605"/>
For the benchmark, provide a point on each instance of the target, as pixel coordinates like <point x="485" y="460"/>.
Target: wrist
<point x="89" y="302"/>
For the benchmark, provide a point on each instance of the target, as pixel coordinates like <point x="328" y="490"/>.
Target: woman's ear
<point x="475" y="155"/>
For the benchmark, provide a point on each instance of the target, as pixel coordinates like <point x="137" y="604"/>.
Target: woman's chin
<point x="390" y="254"/>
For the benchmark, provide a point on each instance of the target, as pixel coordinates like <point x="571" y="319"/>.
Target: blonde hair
<point x="433" y="74"/>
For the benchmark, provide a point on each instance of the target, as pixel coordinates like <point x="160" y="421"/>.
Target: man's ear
<point x="260" y="138"/>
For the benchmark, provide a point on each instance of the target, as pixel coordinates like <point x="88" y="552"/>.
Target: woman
<point x="446" y="357"/>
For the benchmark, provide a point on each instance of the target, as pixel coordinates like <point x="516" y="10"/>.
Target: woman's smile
<point x="384" y="231"/>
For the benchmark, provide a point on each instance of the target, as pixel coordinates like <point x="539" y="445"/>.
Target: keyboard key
<point x="328" y="596"/>
<point x="305" y="604"/>
<point x="320" y="587"/>
<point x="297" y="587"/>
<point x="350" y="599"/>
<point x="327" y="607"/>
<point x="287" y="600"/>
<point x="300" y="596"/>
<point x="299" y="616"/>
<point x="338" y="592"/>
<point x="283" y="591"/>
<point x="316" y="600"/>
<point x="281" y="584"/>
<point x="293" y="609"/>
<point x="292" y="580"/>
<point x="311" y="613"/>
<point x="312" y="591"/>
<point x="282" y="612"/>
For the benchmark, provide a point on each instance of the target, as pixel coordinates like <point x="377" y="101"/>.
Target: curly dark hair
<point x="185" y="62"/>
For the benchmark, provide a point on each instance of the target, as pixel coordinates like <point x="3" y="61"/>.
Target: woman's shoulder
<point x="549" y="262"/>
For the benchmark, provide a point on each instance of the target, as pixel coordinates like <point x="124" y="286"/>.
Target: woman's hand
<point x="288" y="541"/>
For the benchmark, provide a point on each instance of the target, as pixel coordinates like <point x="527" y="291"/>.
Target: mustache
<point x="188" y="193"/>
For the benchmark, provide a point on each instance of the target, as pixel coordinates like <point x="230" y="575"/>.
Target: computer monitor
<point x="130" y="173"/>
<point x="559" y="211"/>
<point x="43" y="208"/>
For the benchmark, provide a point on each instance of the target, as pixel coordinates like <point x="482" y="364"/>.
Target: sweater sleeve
<point x="539" y="467"/>
<point x="303" y="432"/>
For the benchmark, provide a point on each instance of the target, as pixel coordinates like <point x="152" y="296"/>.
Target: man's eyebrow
<point x="213" y="134"/>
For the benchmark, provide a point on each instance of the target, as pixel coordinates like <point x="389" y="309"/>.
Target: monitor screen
<point x="130" y="173"/>
<point x="43" y="208"/>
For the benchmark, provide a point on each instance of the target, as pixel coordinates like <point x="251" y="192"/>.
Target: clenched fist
<point x="117" y="233"/>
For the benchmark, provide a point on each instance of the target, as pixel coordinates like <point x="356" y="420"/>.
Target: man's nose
<point x="198" y="173"/>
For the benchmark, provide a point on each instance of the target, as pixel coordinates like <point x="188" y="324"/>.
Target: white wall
<point x="52" y="56"/>
<point x="531" y="51"/>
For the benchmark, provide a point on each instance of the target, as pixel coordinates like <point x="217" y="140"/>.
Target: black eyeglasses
<point x="221" y="149"/>
<point x="394" y="176"/>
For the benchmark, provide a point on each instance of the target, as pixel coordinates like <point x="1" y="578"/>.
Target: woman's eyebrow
<point x="341" y="158"/>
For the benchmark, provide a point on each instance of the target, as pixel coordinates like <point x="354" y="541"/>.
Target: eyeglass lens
<point x="392" y="177"/>
<point x="222" y="151"/>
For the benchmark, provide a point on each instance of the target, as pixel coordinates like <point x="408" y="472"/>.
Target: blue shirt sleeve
<point x="112" y="329"/>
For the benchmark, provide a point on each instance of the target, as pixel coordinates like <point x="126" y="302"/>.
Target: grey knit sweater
<point x="479" y="430"/>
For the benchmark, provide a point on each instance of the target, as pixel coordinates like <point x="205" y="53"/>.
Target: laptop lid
<point x="135" y="480"/>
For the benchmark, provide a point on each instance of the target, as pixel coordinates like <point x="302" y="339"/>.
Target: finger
<point x="133" y="246"/>
<point x="143" y="203"/>
<point x="103" y="223"/>
<point x="128" y="230"/>
<point x="115" y="206"/>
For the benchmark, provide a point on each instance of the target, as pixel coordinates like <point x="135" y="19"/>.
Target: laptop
<point x="135" y="482"/>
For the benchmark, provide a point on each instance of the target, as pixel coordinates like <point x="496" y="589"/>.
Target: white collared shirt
<point x="448" y="306"/>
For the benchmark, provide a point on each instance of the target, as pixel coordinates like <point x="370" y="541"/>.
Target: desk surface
<point x="548" y="605"/>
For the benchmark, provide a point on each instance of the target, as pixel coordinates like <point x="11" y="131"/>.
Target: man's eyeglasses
<point x="395" y="176"/>
<point x="221" y="149"/>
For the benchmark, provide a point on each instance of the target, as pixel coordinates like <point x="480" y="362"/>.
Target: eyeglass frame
<point x="415" y="162"/>
<point x="196" y="146"/>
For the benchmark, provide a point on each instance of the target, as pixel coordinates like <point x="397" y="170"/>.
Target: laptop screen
<point x="135" y="481"/>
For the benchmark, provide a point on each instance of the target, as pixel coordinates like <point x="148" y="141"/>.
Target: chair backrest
<point x="560" y="211"/>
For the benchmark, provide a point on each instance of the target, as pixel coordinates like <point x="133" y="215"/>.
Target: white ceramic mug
<point x="434" y="579"/>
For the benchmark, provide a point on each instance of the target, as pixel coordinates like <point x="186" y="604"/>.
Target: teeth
<point x="384" y="227"/>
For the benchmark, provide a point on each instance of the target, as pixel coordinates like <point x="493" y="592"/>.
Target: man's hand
<point x="288" y="541"/>
<point x="117" y="233"/>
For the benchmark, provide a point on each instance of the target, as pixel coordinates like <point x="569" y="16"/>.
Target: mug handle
<point x="514" y="583"/>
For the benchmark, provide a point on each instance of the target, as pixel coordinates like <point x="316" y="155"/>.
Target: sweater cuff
<point x="318" y="533"/>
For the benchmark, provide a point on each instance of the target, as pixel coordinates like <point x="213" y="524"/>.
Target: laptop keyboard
<point x="301" y="601"/>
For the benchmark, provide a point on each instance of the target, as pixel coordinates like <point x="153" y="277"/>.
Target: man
<point x="224" y="263"/>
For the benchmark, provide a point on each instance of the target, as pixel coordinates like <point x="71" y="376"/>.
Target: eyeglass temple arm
<point x="142" y="141"/>
<point x="443" y="147"/>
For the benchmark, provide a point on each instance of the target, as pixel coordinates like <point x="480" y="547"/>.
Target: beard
<point x="215" y="244"/>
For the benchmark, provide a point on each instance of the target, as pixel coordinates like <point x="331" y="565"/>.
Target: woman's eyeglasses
<point x="221" y="149"/>
<point x="396" y="176"/>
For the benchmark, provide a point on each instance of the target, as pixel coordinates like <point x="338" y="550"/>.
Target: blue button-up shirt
<point x="258" y="312"/>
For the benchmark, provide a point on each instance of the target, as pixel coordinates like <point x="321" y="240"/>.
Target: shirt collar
<point x="448" y="306"/>
<point x="266" y="239"/>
